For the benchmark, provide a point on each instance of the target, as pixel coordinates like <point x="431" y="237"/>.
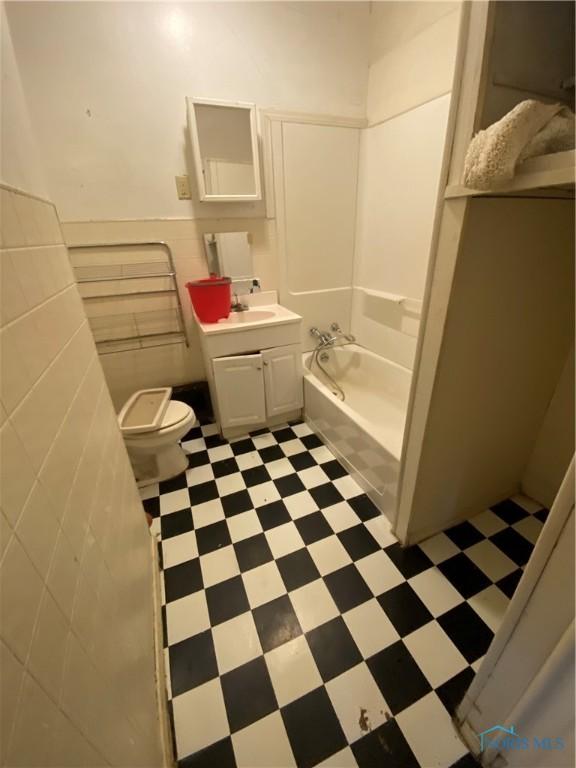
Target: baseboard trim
<point x="168" y="759"/>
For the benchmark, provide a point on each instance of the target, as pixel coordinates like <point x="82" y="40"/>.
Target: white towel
<point x="531" y="128"/>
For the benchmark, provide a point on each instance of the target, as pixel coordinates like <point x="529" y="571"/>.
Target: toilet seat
<point x="175" y="415"/>
<point x="150" y="412"/>
<point x="144" y="411"/>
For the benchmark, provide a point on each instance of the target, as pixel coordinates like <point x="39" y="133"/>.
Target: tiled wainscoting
<point x="297" y="630"/>
<point x="75" y="569"/>
<point x="172" y="364"/>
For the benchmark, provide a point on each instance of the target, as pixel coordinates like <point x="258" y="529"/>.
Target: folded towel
<point x="531" y="128"/>
<point x="556" y="136"/>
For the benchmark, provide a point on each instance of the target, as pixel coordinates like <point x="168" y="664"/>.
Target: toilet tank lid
<point x="144" y="411"/>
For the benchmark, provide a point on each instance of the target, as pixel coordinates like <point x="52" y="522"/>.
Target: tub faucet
<point x="324" y="338"/>
<point x="335" y="328"/>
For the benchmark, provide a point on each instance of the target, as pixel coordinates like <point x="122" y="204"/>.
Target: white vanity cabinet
<point x="283" y="379"/>
<point x="251" y="389"/>
<point x="239" y="389"/>
<point x="253" y="363"/>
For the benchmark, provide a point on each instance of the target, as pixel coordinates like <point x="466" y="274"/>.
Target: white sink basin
<point x="263" y="316"/>
<point x="250" y="316"/>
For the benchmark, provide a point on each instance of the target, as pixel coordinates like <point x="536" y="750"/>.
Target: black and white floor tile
<point x="297" y="631"/>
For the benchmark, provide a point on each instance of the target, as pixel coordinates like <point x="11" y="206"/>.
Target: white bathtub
<point x="365" y="430"/>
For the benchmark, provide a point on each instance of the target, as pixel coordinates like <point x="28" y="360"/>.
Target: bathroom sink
<point x="259" y="316"/>
<point x="250" y="316"/>
<point x="264" y="325"/>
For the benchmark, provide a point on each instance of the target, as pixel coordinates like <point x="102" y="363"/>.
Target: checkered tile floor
<point x="297" y="630"/>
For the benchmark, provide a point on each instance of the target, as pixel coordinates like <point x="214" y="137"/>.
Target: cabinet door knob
<point x="265" y="362"/>
<point x="258" y="367"/>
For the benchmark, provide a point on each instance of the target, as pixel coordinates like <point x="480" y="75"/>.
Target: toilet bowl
<point x="152" y="426"/>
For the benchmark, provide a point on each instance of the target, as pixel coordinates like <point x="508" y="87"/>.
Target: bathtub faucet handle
<point x="335" y="328"/>
<point x="324" y="338"/>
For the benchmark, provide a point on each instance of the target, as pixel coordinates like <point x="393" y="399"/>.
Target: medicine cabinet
<point x="225" y="150"/>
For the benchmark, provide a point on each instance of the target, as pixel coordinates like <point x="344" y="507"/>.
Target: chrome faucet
<point x="335" y="328"/>
<point x="324" y="338"/>
<point x="237" y="305"/>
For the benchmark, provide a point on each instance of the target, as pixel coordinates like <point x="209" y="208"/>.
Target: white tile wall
<point x="128" y="371"/>
<point x="76" y="624"/>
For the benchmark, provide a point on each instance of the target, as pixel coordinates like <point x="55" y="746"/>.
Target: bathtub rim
<point x="366" y="425"/>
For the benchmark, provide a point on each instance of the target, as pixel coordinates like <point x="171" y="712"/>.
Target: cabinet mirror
<point x="225" y="150"/>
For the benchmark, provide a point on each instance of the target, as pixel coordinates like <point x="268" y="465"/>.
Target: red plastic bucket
<point x="211" y="298"/>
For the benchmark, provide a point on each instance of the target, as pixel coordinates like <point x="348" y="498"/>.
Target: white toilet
<point x="152" y="426"/>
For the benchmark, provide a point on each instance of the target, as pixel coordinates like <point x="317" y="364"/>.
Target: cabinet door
<point x="283" y="378"/>
<point x="240" y="390"/>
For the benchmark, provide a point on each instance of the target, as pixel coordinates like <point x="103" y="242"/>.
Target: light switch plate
<point x="183" y="187"/>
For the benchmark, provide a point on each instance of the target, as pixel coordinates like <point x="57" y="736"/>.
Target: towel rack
<point x="141" y="329"/>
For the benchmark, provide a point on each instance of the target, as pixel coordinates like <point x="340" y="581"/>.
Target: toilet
<point x="152" y="426"/>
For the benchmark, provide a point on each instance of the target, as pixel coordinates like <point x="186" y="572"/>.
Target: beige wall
<point x="19" y="155"/>
<point x="412" y="55"/>
<point x="107" y="83"/>
<point x="76" y="606"/>
<point x="554" y="445"/>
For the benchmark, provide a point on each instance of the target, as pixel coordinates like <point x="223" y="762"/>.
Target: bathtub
<point x="366" y="430"/>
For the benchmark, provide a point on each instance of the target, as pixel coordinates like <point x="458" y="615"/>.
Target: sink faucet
<point x="237" y="305"/>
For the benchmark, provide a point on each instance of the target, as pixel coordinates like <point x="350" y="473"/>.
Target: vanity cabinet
<point x="283" y="379"/>
<point x="253" y="365"/>
<point x="255" y="388"/>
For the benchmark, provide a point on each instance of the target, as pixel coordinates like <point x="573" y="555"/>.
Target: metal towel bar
<point x="169" y="333"/>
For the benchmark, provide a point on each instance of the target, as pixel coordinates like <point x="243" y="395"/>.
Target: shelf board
<point x="547" y="171"/>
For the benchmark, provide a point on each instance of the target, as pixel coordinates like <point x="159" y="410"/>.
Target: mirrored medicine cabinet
<point x="225" y="150"/>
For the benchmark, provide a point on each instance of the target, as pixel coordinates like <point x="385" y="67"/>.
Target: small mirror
<point x="225" y="149"/>
<point x="229" y="255"/>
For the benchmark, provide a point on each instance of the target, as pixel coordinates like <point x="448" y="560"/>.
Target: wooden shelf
<point x="547" y="171"/>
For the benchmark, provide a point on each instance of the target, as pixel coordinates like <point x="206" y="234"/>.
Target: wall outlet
<point x="183" y="187"/>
